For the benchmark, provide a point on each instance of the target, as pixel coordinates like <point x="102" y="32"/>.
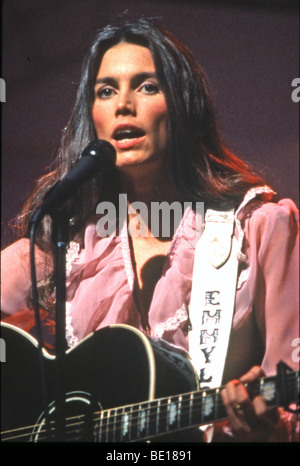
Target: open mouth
<point x="128" y="134"/>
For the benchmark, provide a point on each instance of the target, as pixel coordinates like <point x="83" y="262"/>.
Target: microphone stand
<point x="94" y="157"/>
<point x="60" y="240"/>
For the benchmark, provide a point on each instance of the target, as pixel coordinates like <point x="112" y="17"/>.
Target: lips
<point x="126" y="136"/>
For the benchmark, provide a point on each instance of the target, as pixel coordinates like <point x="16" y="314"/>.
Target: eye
<point x="150" y="88"/>
<point x="104" y="92"/>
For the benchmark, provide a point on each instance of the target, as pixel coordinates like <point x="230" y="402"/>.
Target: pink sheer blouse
<point x="101" y="283"/>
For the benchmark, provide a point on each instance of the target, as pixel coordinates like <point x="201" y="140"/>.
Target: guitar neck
<point x="165" y="415"/>
<point x="162" y="416"/>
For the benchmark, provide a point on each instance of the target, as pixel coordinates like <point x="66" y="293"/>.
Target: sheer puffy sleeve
<point x="273" y="235"/>
<point x="271" y="294"/>
<point x="15" y="275"/>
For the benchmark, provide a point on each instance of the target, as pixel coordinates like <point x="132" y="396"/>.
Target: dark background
<point x="249" y="51"/>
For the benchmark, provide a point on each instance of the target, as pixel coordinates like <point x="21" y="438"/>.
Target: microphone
<point x="98" y="155"/>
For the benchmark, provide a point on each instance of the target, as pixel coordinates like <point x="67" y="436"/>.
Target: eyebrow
<point x="139" y="77"/>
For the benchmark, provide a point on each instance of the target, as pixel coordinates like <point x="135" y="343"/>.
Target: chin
<point x="129" y="160"/>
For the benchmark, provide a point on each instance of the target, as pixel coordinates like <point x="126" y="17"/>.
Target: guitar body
<point x="117" y="385"/>
<point x="113" y="367"/>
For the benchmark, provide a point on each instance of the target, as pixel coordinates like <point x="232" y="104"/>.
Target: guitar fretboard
<point x="153" y="418"/>
<point x="150" y="419"/>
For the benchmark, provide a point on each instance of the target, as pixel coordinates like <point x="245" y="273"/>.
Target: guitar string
<point x="199" y="401"/>
<point x="110" y="424"/>
<point x="114" y="413"/>
<point x="116" y="423"/>
<point x="116" y="427"/>
<point x="119" y="426"/>
<point x="140" y="405"/>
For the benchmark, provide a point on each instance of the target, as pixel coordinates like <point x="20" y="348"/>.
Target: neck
<point x="148" y="187"/>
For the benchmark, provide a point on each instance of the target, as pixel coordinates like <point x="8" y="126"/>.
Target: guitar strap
<point x="213" y="296"/>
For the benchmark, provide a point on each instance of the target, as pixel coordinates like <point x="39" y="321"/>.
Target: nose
<point x="125" y="103"/>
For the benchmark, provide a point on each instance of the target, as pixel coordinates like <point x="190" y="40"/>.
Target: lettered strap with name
<point x="213" y="296"/>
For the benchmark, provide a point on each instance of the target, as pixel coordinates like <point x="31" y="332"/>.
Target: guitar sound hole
<point x="80" y="412"/>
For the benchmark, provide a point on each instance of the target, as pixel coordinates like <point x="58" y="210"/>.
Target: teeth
<point x="127" y="134"/>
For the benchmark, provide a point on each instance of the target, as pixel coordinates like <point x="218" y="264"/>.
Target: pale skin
<point x="129" y="99"/>
<point x="127" y="96"/>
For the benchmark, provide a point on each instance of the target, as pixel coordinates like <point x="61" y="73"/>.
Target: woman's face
<point x="129" y="109"/>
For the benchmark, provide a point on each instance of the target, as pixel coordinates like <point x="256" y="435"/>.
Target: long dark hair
<point x="199" y="166"/>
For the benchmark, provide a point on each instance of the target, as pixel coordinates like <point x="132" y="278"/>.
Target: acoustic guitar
<point x="118" y="386"/>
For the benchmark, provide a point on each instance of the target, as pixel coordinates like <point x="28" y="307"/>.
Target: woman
<point x="143" y="91"/>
